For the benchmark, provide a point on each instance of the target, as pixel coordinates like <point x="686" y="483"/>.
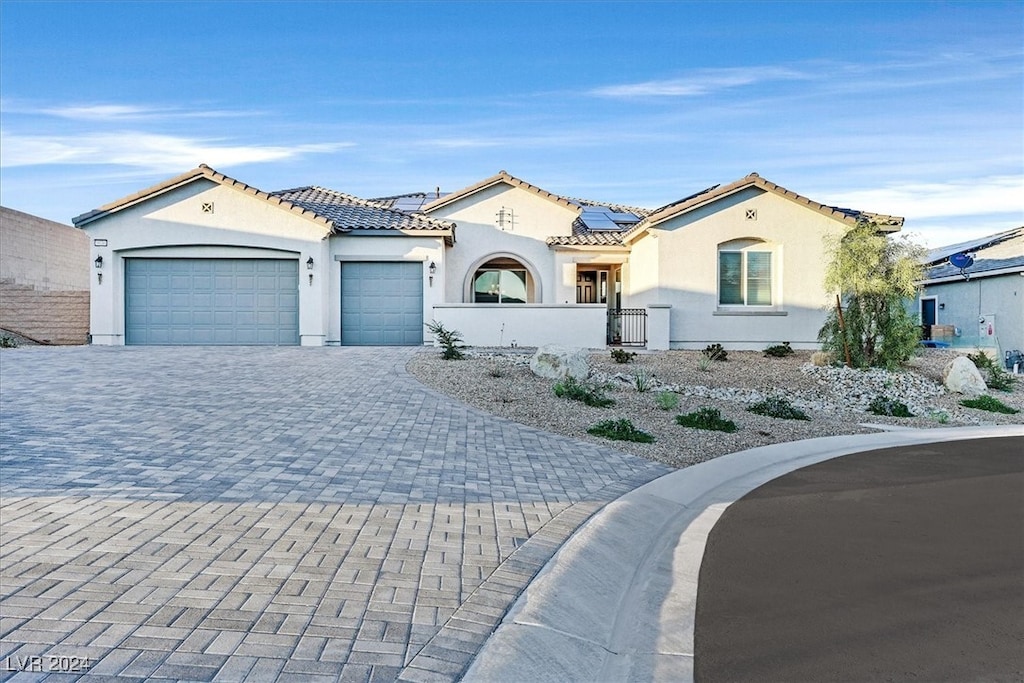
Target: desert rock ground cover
<point x="500" y="382"/>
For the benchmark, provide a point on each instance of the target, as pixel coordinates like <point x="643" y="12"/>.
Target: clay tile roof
<point x="581" y="236"/>
<point x="201" y="171"/>
<point x="849" y="216"/>
<point x="500" y="177"/>
<point x="347" y="213"/>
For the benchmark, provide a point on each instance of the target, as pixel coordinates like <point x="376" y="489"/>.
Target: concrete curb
<point x="617" y="601"/>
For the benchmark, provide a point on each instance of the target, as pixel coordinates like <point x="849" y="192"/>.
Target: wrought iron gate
<point x="627" y="327"/>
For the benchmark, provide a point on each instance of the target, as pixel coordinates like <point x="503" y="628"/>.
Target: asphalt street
<point x="896" y="564"/>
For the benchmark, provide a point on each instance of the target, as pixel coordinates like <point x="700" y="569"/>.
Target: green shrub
<point x="779" y="350"/>
<point x="667" y="400"/>
<point x="585" y="392"/>
<point x="883" y="405"/>
<point x="623" y="356"/>
<point x="707" y="418"/>
<point x="643" y="380"/>
<point x="997" y="378"/>
<point x="620" y="430"/>
<point x="993" y="405"/>
<point x="776" y="406"/>
<point x="8" y="342"/>
<point x="450" y="340"/>
<point x="715" y="352"/>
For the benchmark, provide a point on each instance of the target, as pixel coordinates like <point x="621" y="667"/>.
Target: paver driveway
<point x="268" y="514"/>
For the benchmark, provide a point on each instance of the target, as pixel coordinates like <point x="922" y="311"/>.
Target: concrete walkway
<point x="268" y="514"/>
<point x="617" y="602"/>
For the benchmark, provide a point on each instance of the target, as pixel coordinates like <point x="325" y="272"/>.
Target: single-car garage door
<point x="382" y="303"/>
<point x="211" y="301"/>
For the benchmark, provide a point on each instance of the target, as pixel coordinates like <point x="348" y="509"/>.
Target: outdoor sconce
<point x="99" y="264"/>
<point x="942" y="307"/>
<point x="432" y="268"/>
<point x="309" y="267"/>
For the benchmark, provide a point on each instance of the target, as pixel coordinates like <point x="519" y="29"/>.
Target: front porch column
<point x="658" y="326"/>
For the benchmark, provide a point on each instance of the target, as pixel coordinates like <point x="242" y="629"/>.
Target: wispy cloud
<point x="144" y="150"/>
<point x="702" y="82"/>
<point x="116" y="113"/>
<point x="964" y="197"/>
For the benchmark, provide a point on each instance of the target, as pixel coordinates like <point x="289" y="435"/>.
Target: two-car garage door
<point x="256" y="301"/>
<point x="211" y="301"/>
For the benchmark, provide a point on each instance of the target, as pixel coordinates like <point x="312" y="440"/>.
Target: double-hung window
<point x="745" y="278"/>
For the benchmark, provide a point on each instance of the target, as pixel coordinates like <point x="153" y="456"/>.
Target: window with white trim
<point x="745" y="275"/>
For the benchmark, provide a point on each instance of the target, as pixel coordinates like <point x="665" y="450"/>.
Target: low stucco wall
<point x="582" y="325"/>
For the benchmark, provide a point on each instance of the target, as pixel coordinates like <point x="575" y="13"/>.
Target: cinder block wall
<point x="44" y="279"/>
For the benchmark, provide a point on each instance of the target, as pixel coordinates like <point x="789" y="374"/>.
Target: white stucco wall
<point x="677" y="264"/>
<point x="581" y="325"/>
<point x="478" y="238"/>
<point x="173" y="225"/>
<point x="396" y="247"/>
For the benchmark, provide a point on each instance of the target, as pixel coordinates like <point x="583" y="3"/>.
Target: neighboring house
<point x="44" y="279"/>
<point x="982" y="305"/>
<point x="203" y="258"/>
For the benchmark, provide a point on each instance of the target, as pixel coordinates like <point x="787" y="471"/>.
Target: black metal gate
<point x="627" y="327"/>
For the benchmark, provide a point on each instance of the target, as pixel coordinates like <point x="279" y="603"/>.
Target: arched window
<point x="745" y="273"/>
<point x="502" y="281"/>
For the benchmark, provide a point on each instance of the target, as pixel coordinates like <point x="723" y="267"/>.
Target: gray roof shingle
<point x="347" y="213"/>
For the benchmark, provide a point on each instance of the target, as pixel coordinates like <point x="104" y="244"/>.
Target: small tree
<point x="874" y="275"/>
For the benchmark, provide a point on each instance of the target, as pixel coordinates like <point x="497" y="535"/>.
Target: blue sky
<point x="907" y="108"/>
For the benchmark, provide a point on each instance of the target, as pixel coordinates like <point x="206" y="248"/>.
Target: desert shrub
<point x="8" y="342"/>
<point x="667" y="400"/>
<point x="715" y="352"/>
<point x="890" y="407"/>
<point x="450" y="340"/>
<point x="586" y="392"/>
<point x="875" y="274"/>
<point x="623" y="356"/>
<point x="707" y="418"/>
<point x="495" y="371"/>
<point x="996" y="377"/>
<point x="643" y="381"/>
<point x="620" y="430"/>
<point x="777" y="406"/>
<point x="779" y="350"/>
<point x="993" y="405"/>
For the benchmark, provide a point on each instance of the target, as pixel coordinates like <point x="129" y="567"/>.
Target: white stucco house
<point x="205" y="259"/>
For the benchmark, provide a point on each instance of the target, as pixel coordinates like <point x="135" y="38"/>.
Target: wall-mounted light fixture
<point x="309" y="267"/>
<point x="942" y="307"/>
<point x="99" y="264"/>
<point x="432" y="268"/>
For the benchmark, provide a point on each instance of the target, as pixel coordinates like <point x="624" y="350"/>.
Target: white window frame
<point x="744" y="277"/>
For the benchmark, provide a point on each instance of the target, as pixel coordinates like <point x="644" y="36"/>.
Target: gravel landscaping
<point x="835" y="398"/>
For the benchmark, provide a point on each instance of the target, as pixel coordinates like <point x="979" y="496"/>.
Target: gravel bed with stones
<point x="500" y="382"/>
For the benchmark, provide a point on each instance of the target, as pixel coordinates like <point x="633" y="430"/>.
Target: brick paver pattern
<point x="228" y="514"/>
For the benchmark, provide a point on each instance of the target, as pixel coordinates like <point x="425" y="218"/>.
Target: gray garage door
<point x="211" y="301"/>
<point x="382" y="304"/>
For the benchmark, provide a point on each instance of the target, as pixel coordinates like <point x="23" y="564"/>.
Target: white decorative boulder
<point x="961" y="376"/>
<point x="555" y="362"/>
